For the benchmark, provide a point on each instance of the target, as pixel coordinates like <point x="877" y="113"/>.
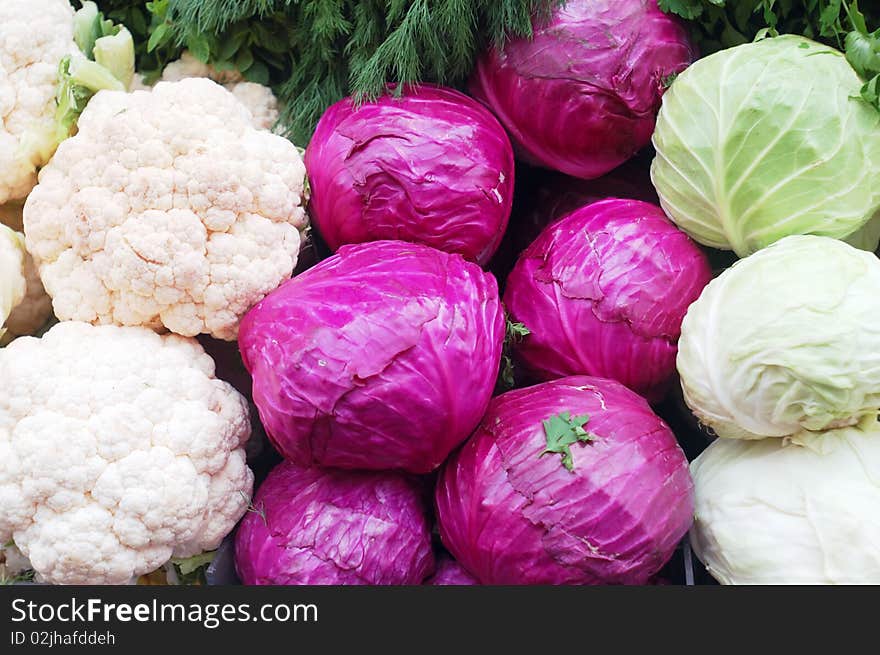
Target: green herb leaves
<point x="562" y="431"/>
<point x="259" y="511"/>
<point x="719" y="24"/>
<point x="515" y="333"/>
<point x="314" y="52"/>
<point x="863" y="54"/>
<point x="687" y="9"/>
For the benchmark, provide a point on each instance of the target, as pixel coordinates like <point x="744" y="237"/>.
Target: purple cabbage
<point x="313" y="526"/>
<point x="432" y="166"/>
<point x="582" y="96"/>
<point x="543" y="196"/>
<point x="553" y="195"/>
<point x="603" y="292"/>
<point x="383" y="356"/>
<point x="512" y="513"/>
<point x="450" y="573"/>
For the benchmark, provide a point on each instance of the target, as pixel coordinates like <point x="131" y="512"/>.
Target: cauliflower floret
<point x="167" y="209"/>
<point x="119" y="450"/>
<point x="34" y="36"/>
<point x="13" y="285"/>
<point x="188" y="66"/>
<point x="259" y="99"/>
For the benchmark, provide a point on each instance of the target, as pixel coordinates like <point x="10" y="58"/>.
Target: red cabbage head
<point x="450" y="573"/>
<point x="574" y="481"/>
<point x="582" y="95"/>
<point x="432" y="166"/>
<point x="603" y="292"/>
<point x="314" y="526"/>
<point x="383" y="356"/>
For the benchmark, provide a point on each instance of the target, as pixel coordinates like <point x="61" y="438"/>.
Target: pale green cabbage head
<point x="790" y="511"/>
<point x="785" y="340"/>
<point x="765" y="140"/>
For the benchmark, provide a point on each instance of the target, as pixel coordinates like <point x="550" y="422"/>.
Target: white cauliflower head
<point x="34" y="36"/>
<point x="13" y="284"/>
<point x="119" y="449"/>
<point x="259" y="99"/>
<point x="167" y="209"/>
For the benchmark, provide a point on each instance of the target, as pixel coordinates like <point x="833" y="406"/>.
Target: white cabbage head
<point x="790" y="511"/>
<point x="765" y="140"/>
<point x="785" y="340"/>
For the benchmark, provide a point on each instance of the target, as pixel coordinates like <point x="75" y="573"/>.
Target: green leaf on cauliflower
<point x="116" y="53"/>
<point x="89" y="25"/>
<point x="107" y="64"/>
<point x="192" y="570"/>
<point x="24" y="576"/>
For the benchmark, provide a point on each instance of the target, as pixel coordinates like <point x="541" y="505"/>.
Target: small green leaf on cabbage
<point x="562" y="431"/>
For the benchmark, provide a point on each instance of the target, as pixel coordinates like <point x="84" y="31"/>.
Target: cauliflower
<point x="13" y="284"/>
<point x="34" y="36"/>
<point x="188" y="66"/>
<point x="119" y="450"/>
<point x="259" y="99"/>
<point x="167" y="209"/>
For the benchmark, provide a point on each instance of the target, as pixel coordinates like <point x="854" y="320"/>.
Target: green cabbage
<point x="790" y="511"/>
<point x="766" y="140"/>
<point x="785" y="341"/>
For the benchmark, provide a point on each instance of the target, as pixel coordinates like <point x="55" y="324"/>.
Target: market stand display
<point x="453" y="293"/>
